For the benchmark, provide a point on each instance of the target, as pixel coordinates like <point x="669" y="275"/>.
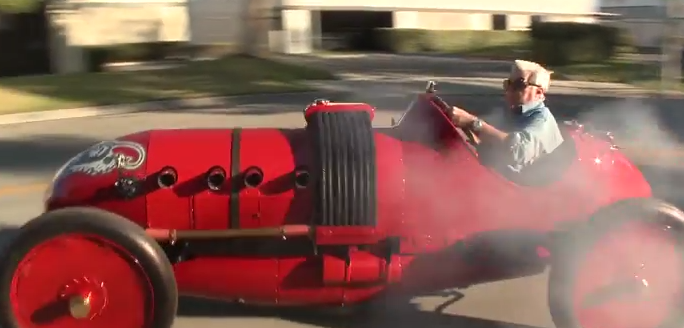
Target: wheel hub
<point x="86" y="298"/>
<point x="631" y="278"/>
<point x="79" y="306"/>
<point x="62" y="283"/>
<point x="635" y="288"/>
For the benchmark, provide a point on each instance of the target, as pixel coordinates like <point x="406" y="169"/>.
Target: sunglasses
<point x="518" y="84"/>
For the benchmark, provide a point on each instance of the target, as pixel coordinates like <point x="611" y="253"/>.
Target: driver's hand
<point x="460" y="117"/>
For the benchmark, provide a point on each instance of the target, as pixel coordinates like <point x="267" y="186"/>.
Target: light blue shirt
<point x="533" y="132"/>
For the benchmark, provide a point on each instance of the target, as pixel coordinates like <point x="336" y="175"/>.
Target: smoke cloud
<point x="644" y="129"/>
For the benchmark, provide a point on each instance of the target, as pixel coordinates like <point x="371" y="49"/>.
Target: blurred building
<point x="76" y="24"/>
<point x="642" y="18"/>
<point x="289" y="26"/>
<point x="301" y="25"/>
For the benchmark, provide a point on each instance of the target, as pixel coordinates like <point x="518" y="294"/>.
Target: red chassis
<point x="335" y="214"/>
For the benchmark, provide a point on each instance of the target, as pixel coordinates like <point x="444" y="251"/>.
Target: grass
<point x="235" y="75"/>
<point x="618" y="71"/>
<point x="498" y="52"/>
<point x="640" y="74"/>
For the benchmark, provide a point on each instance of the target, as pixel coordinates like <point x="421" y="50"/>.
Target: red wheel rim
<point x="80" y="281"/>
<point x="631" y="278"/>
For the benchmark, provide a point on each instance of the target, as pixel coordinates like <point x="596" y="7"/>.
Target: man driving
<point x="529" y="130"/>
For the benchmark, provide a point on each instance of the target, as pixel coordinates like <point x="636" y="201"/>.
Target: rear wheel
<point x="84" y="267"/>
<point x="624" y="270"/>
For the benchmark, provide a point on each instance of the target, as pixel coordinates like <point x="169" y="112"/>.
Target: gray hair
<point x="536" y="74"/>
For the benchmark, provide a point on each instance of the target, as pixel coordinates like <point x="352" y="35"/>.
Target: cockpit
<point x="425" y="121"/>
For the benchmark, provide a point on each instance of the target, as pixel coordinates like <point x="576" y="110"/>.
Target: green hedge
<point x="550" y="43"/>
<point x="562" y="43"/>
<point x="446" y="41"/>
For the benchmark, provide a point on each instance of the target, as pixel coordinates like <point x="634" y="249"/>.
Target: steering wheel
<point x="446" y="109"/>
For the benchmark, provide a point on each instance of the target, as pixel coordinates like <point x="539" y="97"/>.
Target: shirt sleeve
<point x="525" y="144"/>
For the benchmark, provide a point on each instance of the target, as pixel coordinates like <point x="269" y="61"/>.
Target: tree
<point x="19" y="6"/>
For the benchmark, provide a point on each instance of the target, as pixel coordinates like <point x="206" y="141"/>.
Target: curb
<point x="163" y="105"/>
<point x="417" y="56"/>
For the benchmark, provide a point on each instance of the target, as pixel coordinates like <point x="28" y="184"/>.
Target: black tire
<point x="110" y="226"/>
<point x="569" y="251"/>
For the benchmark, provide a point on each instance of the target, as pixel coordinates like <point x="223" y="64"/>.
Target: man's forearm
<point x="489" y="132"/>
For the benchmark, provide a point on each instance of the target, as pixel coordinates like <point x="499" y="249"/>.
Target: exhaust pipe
<point x="167" y="177"/>
<point x="253" y="177"/>
<point x="302" y="178"/>
<point x="216" y="176"/>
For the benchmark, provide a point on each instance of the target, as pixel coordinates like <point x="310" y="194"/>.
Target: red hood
<point x="90" y="178"/>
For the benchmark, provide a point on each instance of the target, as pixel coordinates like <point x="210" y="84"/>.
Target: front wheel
<point x="84" y="267"/>
<point x="623" y="270"/>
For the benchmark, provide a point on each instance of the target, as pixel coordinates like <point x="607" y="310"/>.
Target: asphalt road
<point x="32" y="152"/>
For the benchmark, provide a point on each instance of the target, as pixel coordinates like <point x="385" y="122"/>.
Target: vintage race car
<point x="339" y="213"/>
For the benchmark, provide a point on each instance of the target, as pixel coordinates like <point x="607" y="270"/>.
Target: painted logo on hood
<point x="107" y="156"/>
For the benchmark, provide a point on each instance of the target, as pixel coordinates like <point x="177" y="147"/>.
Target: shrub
<point x="400" y="40"/>
<point x="447" y="41"/>
<point x="563" y="43"/>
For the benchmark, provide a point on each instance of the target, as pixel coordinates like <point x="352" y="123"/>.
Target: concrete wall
<point x="644" y="22"/>
<point x="644" y="19"/>
<point x="96" y="22"/>
<point x="279" y="25"/>
<point x="472" y="21"/>
<point x="459" y="14"/>
<point x="631" y="3"/>
<point x="215" y="21"/>
<point x="531" y="6"/>
<point x="245" y="23"/>
<point x="76" y="24"/>
<point x="643" y="32"/>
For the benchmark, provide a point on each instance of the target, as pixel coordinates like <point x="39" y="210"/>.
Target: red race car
<point x="335" y="214"/>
